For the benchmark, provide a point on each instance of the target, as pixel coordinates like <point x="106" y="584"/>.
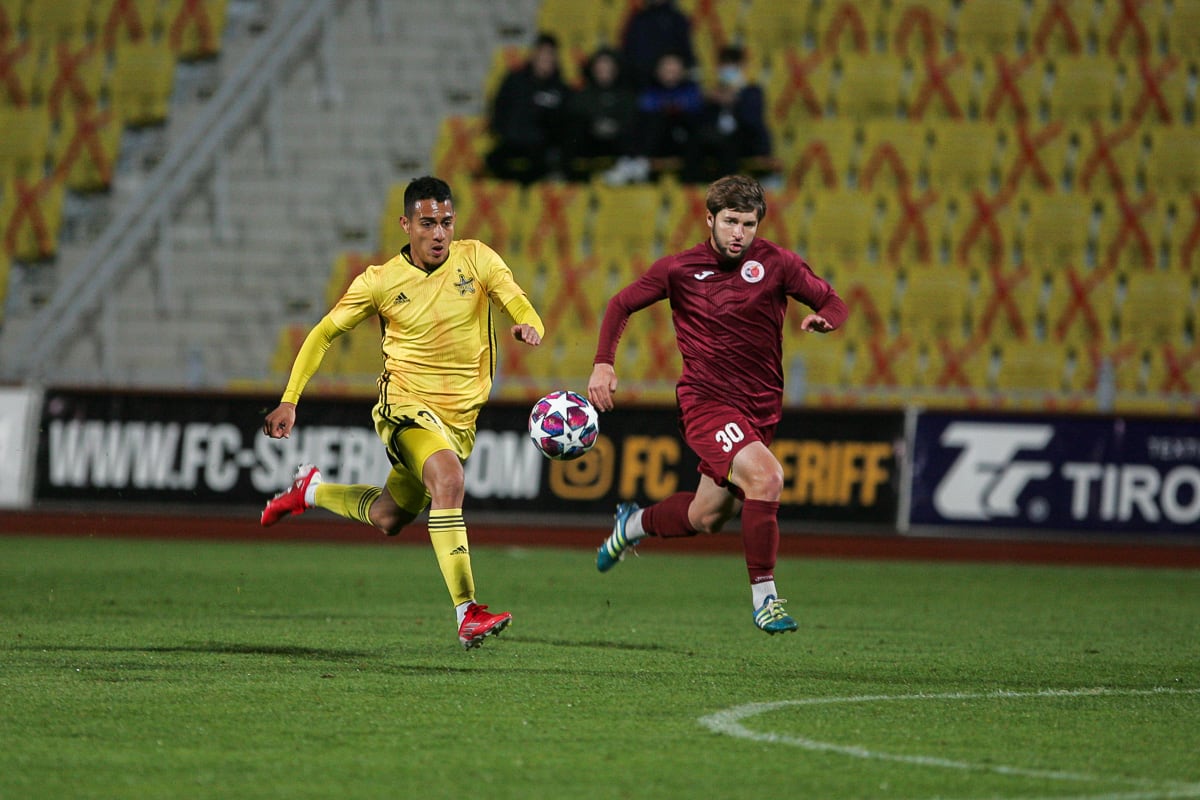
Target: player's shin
<point x="448" y="535"/>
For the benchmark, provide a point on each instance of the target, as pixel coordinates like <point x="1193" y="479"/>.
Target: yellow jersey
<point x="439" y="336"/>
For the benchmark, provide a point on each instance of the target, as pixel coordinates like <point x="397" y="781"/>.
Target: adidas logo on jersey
<point x="401" y="298"/>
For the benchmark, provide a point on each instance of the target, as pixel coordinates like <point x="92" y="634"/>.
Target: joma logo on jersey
<point x="986" y="479"/>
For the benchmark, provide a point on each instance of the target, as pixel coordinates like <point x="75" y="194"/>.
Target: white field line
<point x="729" y="723"/>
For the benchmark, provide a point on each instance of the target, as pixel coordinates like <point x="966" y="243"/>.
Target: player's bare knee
<point x="765" y="485"/>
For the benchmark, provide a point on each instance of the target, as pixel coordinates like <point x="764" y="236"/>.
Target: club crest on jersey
<point x="753" y="272"/>
<point x="465" y="285"/>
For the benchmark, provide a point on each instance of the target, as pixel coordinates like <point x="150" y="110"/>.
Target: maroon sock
<point x="669" y="518"/>
<point x="760" y="538"/>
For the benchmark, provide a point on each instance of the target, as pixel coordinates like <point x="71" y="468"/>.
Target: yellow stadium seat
<point x="1173" y="163"/>
<point x="558" y="217"/>
<point x="1084" y="88"/>
<point x="56" y="20"/>
<point x="818" y="370"/>
<point x="843" y="230"/>
<point x="12" y="18"/>
<point x="1173" y="373"/>
<point x="1157" y="91"/>
<point x="1009" y="305"/>
<point x="959" y="372"/>
<point x="990" y="26"/>
<point x="912" y="228"/>
<point x="1108" y="158"/>
<point x="1012" y="88"/>
<point x="1036" y="157"/>
<point x="461" y="144"/>
<point x="964" y="156"/>
<point x="1062" y="27"/>
<point x="143" y="76"/>
<point x="1183" y="243"/>
<point x="685" y="214"/>
<point x="1032" y="374"/>
<point x="347" y="266"/>
<point x="1126" y="29"/>
<point x="1080" y="305"/>
<point x="30" y="218"/>
<point x="894" y="154"/>
<point x="193" y="28"/>
<point x="19" y="72"/>
<point x="626" y="218"/>
<point x="1157" y="307"/>
<point x="798" y="88"/>
<point x="943" y="88"/>
<point x="918" y="27"/>
<point x="1132" y="232"/>
<point x="25" y="145"/>
<point x="1057" y="231"/>
<point x="773" y="27"/>
<point x="935" y="304"/>
<point x="87" y="148"/>
<point x="871" y="294"/>
<point x="76" y="75"/>
<point x="1182" y="29"/>
<point x="841" y="25"/>
<point x="882" y="366"/>
<point x="5" y="269"/>
<point x="819" y="155"/>
<point x="485" y="209"/>
<point x="120" y="22"/>
<point x="868" y="86"/>
<point x="578" y="26"/>
<point x="980" y="228"/>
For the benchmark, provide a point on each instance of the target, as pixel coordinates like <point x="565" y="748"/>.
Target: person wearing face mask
<point x="734" y="135"/>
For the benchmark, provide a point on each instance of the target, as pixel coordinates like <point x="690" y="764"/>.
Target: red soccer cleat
<point x="291" y="501"/>
<point x="479" y="624"/>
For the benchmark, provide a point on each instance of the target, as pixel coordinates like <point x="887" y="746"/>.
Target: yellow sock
<point x="350" y="501"/>
<point x="448" y="534"/>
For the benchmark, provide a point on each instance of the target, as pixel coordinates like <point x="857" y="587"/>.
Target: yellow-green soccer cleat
<point x="771" y="617"/>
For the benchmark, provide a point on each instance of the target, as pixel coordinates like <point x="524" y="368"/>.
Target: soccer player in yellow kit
<point x="434" y="300"/>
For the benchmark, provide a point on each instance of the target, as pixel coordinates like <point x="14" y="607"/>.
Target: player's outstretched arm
<point x="279" y="423"/>
<point x="526" y="333"/>
<point x="602" y="386"/>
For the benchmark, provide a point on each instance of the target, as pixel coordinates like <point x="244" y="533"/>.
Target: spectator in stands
<point x="669" y="114"/>
<point x="656" y="28"/>
<point x="529" y="117"/>
<point x="602" y="115"/>
<point x="734" y="136"/>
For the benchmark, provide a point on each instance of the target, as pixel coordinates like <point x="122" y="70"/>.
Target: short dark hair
<point x="425" y="188"/>
<point x="738" y="193"/>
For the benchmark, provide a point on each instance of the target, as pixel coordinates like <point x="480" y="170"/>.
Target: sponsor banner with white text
<point x="185" y="448"/>
<point x="1096" y="474"/>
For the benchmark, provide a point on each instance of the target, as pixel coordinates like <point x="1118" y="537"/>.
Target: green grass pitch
<point x="173" y="669"/>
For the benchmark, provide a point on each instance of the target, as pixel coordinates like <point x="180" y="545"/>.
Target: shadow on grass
<point x="214" y="648"/>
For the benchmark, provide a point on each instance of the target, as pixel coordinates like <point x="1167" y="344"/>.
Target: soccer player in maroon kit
<point x="728" y="296"/>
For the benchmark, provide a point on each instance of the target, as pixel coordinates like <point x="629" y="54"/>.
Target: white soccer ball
<point x="563" y="425"/>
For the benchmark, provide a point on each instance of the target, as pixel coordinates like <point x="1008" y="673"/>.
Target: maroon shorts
<point x="716" y="433"/>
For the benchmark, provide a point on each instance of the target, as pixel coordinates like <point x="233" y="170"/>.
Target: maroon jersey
<point x="728" y="321"/>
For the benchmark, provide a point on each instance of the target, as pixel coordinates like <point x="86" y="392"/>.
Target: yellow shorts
<point x="411" y="434"/>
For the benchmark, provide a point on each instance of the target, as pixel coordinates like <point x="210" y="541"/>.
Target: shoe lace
<point x="773" y="610"/>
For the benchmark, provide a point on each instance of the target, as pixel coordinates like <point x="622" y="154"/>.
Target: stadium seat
<point x="25" y="145"/>
<point x="5" y="269"/>
<point x="942" y="87"/>
<point x="819" y="155"/>
<point x="981" y="227"/>
<point x="193" y="28"/>
<point x="347" y="266"/>
<point x="1173" y="162"/>
<point x="773" y="27"/>
<point x="1182" y="30"/>
<point x="842" y="25"/>
<point x="894" y="154"/>
<point x="461" y="144"/>
<point x="76" y="72"/>
<point x="578" y="26"/>
<point x="912" y="227"/>
<point x="916" y="28"/>
<point x="843" y="230"/>
<point x="798" y="88"/>
<point x="817" y="371"/>
<point x="1183" y="247"/>
<point x="1009" y="305"/>
<point x="52" y="21"/>
<point x="964" y="156"/>
<point x="1057" y="230"/>
<point x="990" y="26"/>
<point x="11" y="18"/>
<point x="19" y="72"/>
<point x="1157" y="308"/>
<point x="868" y="86"/>
<point x="684" y="224"/>
<point x="30" y="218"/>
<point x="1173" y="374"/>
<point x="1012" y="88"/>
<point x="787" y="218"/>
<point x="626" y="219"/>
<point x="141" y="82"/>
<point x="1036" y="157"/>
<point x="1158" y="91"/>
<point x="119" y="22"/>
<point x="485" y="209"/>
<point x="1132" y="233"/>
<point x="935" y="304"/>
<point x="1109" y="157"/>
<point x="881" y="367"/>
<point x="1080" y="305"/>
<point x="558" y="217"/>
<point x="88" y="144"/>
<point x="1084" y="88"/>
<point x="1129" y="27"/>
<point x="1062" y="27"/>
<point x="1033" y="375"/>
<point x="959" y="372"/>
